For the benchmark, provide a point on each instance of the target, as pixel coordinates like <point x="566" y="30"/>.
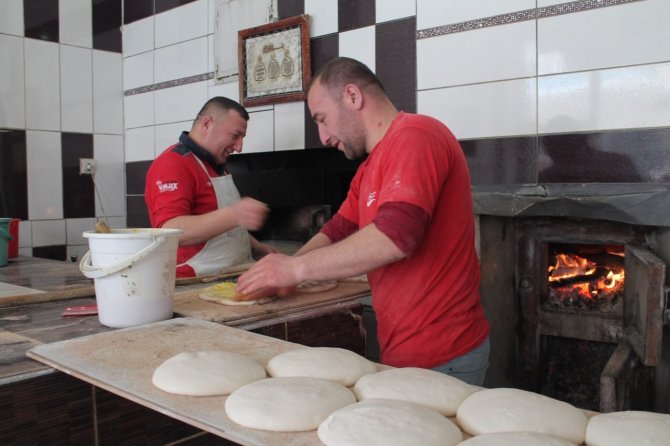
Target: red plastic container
<point x="13" y="244"/>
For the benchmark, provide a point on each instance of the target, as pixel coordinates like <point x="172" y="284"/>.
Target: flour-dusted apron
<point x="231" y="247"/>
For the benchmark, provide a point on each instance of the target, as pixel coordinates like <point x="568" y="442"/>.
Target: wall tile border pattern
<point x="519" y="16"/>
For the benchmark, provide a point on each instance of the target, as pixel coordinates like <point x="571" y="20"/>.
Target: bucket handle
<point x="5" y="234"/>
<point x="92" y="272"/>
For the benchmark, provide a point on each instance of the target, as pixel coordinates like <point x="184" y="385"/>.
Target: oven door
<point x="644" y="303"/>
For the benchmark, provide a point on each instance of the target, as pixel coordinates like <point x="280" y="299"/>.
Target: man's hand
<point x="276" y="271"/>
<point x="250" y="214"/>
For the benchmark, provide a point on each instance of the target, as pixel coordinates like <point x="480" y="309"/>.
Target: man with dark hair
<point x="189" y="188"/>
<point x="407" y="222"/>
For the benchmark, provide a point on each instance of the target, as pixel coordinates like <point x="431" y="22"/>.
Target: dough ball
<point x="206" y="373"/>
<point x="378" y="422"/>
<point x="429" y="388"/>
<point x="287" y="404"/>
<point x="334" y="364"/>
<point x="514" y="410"/>
<point x="516" y="439"/>
<point x="628" y="428"/>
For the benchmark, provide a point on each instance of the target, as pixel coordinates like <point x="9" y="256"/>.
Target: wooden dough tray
<point x="188" y="304"/>
<point x="123" y="362"/>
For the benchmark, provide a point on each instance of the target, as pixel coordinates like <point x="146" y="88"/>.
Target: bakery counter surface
<point x="332" y="318"/>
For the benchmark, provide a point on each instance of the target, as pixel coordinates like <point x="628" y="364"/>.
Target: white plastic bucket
<point x="134" y="274"/>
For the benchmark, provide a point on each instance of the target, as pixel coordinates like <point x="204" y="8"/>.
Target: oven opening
<point x="585" y="278"/>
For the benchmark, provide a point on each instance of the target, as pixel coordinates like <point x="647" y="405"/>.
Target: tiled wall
<point x="61" y="99"/>
<point x="536" y="90"/>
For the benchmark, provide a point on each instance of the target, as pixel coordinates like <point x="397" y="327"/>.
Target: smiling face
<point x="222" y="133"/>
<point x="338" y="125"/>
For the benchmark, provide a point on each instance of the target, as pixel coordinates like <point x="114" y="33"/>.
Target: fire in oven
<point x="586" y="277"/>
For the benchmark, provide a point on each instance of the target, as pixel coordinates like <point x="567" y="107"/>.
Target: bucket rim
<point x="134" y="233"/>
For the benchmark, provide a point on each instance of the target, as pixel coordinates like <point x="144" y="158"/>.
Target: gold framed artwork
<point x="274" y="62"/>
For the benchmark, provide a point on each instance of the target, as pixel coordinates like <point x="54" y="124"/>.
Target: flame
<point x="567" y="266"/>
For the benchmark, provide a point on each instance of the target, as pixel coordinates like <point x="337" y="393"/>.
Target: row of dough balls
<point x="310" y="388"/>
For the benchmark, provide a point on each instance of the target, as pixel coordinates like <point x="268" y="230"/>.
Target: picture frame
<point x="274" y="62"/>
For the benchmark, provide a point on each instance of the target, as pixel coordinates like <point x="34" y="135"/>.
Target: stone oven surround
<point x="517" y="223"/>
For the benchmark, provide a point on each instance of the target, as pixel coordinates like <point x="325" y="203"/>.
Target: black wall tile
<point x="107" y="25"/>
<point x="40" y="19"/>
<point x="78" y="190"/>
<point x="639" y="156"/>
<point x="137" y="214"/>
<point x="134" y="10"/>
<point x="166" y="5"/>
<point x="13" y="175"/>
<point x="395" y="60"/>
<point x="290" y="8"/>
<point x="322" y="50"/>
<point x="136" y="175"/>
<point x="55" y="252"/>
<point x="354" y="14"/>
<point x="501" y="160"/>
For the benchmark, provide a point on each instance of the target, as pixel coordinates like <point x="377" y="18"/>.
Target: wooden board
<point x="188" y="304"/>
<point x="123" y="362"/>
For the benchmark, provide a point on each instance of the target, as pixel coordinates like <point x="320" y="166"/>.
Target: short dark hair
<point x="340" y="71"/>
<point x="222" y="104"/>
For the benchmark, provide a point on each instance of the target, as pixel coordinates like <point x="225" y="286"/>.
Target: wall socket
<point x="86" y="166"/>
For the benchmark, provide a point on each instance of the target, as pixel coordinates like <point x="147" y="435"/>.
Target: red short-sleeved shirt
<point x="176" y="185"/>
<point x="427" y="305"/>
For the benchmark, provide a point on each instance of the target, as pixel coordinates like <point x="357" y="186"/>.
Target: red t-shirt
<point x="177" y="185"/>
<point x="427" y="305"/>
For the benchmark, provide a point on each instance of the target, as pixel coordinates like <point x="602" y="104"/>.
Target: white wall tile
<point x="75" y="23"/>
<point x="139" y="144"/>
<point x="605" y="99"/>
<point x="107" y="92"/>
<point x="210" y="54"/>
<point x="629" y="34"/>
<point x="76" y="74"/>
<point x="75" y="227"/>
<point x="230" y="90"/>
<point x="233" y="16"/>
<point x="11" y="19"/>
<point x="42" y="85"/>
<point x="431" y="13"/>
<point x="110" y="170"/>
<point x="290" y="126"/>
<point x="359" y="44"/>
<point x="180" y="103"/>
<point x="260" y="133"/>
<point x="138" y="37"/>
<point x="25" y="233"/>
<point x="12" y="83"/>
<point x="489" y="54"/>
<point x="322" y="17"/>
<point x="387" y="10"/>
<point x="139" y="110"/>
<point x="138" y="70"/>
<point x="168" y="134"/>
<point x="181" y="60"/>
<point x="115" y="222"/>
<point x="48" y="232"/>
<point x="45" y="175"/>
<point x="504" y="108"/>
<point x="182" y="23"/>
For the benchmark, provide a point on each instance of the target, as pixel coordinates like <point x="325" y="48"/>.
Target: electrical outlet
<point x="86" y="166"/>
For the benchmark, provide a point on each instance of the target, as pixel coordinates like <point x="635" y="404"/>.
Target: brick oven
<point x="574" y="284"/>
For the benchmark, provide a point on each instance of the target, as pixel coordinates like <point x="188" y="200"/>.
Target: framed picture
<point x="274" y="62"/>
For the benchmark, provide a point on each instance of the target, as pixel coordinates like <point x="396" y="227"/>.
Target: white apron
<point x="231" y="247"/>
